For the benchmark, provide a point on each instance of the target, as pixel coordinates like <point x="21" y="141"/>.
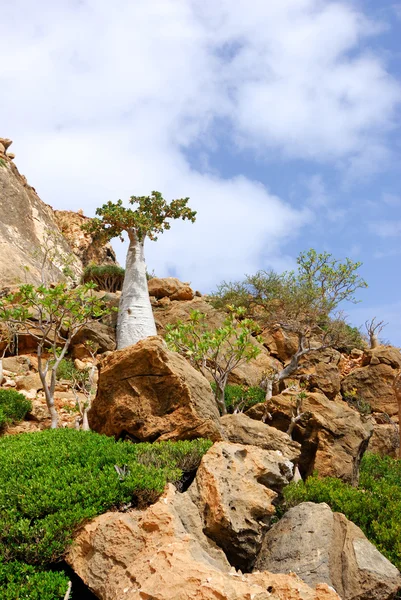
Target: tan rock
<point x="170" y="287"/>
<point x="385" y="440"/>
<point x="149" y="393"/>
<point x="280" y="343"/>
<point x="162" y="554"/>
<point x="5" y="142"/>
<point x="321" y="368"/>
<point x="17" y="364"/>
<point x="87" y="248"/>
<point x="374" y="381"/>
<point x="29" y="382"/>
<point x="333" y="435"/>
<point x="97" y="332"/>
<point x="241" y="429"/>
<point x="322" y="546"/>
<point x="233" y="490"/>
<point x="2" y="149"/>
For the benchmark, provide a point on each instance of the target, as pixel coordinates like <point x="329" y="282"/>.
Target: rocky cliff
<point x="29" y="228"/>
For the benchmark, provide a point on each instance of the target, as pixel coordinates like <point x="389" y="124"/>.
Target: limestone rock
<point x="333" y="435"/>
<point x="385" y="440"/>
<point x="170" y="287"/>
<point x="374" y="381"/>
<point x="17" y="364"/>
<point x="87" y="248"/>
<point x="25" y="222"/>
<point x="281" y="343"/>
<point x="234" y="489"/>
<point x="161" y="554"/>
<point x="101" y="334"/>
<point x="241" y="429"/>
<point x="322" y="546"/>
<point x="151" y="393"/>
<point x="322" y="370"/>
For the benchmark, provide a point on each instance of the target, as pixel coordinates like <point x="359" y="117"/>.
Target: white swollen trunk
<point x="135" y="317"/>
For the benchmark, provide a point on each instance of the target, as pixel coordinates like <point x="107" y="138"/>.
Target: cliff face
<point x="28" y="227"/>
<point x="83" y="245"/>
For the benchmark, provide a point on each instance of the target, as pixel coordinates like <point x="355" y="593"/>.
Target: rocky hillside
<point x="28" y="226"/>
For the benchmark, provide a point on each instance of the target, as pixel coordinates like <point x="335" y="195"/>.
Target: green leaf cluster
<point x="218" y="351"/>
<point x="299" y="300"/>
<point x="151" y="217"/>
<point x="375" y="505"/>
<point x="52" y="481"/>
<point x="239" y="398"/>
<point x="13" y="407"/>
<point x="106" y="277"/>
<point x="19" y="581"/>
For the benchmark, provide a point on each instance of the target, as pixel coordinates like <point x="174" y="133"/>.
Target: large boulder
<point x="281" y="344"/>
<point x="170" y="287"/>
<point x="333" y="436"/>
<point x="321" y="370"/>
<point x="385" y="440"/>
<point x="241" y="429"/>
<point x="234" y="489"/>
<point x="374" y="381"/>
<point x="161" y="553"/>
<point x="322" y="546"/>
<point x="149" y="393"/>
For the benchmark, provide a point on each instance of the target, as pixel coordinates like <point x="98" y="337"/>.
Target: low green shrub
<point x="375" y="505"/>
<point x="13" y="407"/>
<point x="107" y="277"/>
<point x="238" y="398"/>
<point x="53" y="480"/>
<point x="19" y="581"/>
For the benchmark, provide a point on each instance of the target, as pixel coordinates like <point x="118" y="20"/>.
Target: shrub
<point x="13" y="407"/>
<point x="238" y="398"/>
<point x="20" y="581"/>
<point x="375" y="506"/>
<point x="53" y="480"/>
<point x="107" y="277"/>
<point x="357" y="402"/>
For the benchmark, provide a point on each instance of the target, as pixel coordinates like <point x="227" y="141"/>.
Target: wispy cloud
<point x="386" y="228"/>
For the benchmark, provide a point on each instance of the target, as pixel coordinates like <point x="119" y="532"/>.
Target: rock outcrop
<point x="25" y="227"/>
<point x="161" y="553"/>
<point x="374" y="380"/>
<point x="171" y="288"/>
<point x="87" y="248"/>
<point x="322" y="546"/>
<point x="29" y="227"/>
<point x="149" y="393"/>
<point x="241" y="429"/>
<point x="234" y="489"/>
<point x="332" y="435"/>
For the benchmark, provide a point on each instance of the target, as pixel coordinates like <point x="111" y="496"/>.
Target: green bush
<point x="240" y="397"/>
<point x="107" y="277"/>
<point x="375" y="505"/>
<point x="53" y="480"/>
<point x="13" y="407"/>
<point x="19" y="581"/>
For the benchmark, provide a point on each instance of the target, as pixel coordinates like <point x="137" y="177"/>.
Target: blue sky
<point x="279" y="119"/>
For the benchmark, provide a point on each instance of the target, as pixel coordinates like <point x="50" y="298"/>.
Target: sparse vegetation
<point x="107" y="277"/>
<point x="43" y="500"/>
<point x="353" y="399"/>
<point x="375" y="505"/>
<point x="239" y="398"/>
<point x="217" y="351"/>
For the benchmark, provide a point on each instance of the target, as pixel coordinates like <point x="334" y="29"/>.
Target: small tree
<point x="373" y="328"/>
<point x="7" y="335"/>
<point x="51" y="316"/>
<point x="301" y="302"/>
<point x="151" y="217"/>
<point x="218" y="351"/>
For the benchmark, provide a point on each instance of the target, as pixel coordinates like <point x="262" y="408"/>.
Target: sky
<point x="280" y="119"/>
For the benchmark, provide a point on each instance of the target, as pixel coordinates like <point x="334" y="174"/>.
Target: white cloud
<point x="386" y="228"/>
<point x="105" y="100"/>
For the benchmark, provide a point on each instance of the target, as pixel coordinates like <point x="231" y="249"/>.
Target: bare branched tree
<point x="373" y="329"/>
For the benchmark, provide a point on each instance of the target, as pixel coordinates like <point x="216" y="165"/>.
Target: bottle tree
<point x="151" y="217"/>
